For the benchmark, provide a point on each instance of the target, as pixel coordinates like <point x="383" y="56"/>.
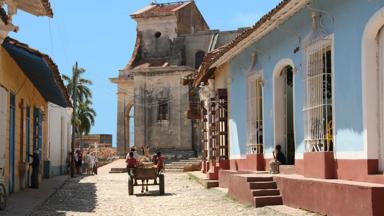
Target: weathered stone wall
<point x="202" y="41"/>
<point x="157" y="46"/>
<point x="174" y="133"/>
<point x="174" y="38"/>
<point x="190" y="20"/>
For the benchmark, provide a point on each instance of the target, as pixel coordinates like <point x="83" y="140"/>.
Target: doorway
<point x="12" y="119"/>
<point x="284" y="113"/>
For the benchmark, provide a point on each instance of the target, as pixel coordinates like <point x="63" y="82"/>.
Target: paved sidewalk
<point x="24" y="202"/>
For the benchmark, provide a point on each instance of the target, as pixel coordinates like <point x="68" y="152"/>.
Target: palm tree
<point x="77" y="84"/>
<point x="80" y="93"/>
<point x="85" y="118"/>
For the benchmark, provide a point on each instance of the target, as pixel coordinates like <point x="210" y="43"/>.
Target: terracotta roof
<point x="161" y="8"/>
<point x="35" y="7"/>
<point x="212" y="57"/>
<point x="50" y="63"/>
<point x="204" y="73"/>
<point x="48" y="8"/>
<point x="165" y="8"/>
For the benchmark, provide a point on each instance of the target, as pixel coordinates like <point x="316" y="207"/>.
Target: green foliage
<point x="85" y="118"/>
<point x="82" y="90"/>
<point x="78" y="89"/>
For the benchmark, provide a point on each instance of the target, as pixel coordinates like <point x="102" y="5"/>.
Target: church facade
<point x="172" y="39"/>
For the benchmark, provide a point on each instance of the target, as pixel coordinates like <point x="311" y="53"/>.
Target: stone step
<point x="174" y="167"/>
<point x="184" y="163"/>
<point x="190" y="160"/>
<point x="265" y="192"/>
<point x="195" y="158"/>
<point x="118" y="170"/>
<point x="267" y="201"/>
<point x="174" y="170"/>
<point x="262" y="185"/>
<point x="211" y="184"/>
<point x="180" y="162"/>
<point x="182" y="166"/>
<point x="260" y="179"/>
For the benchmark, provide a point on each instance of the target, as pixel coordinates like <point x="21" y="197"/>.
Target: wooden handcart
<point x="145" y="173"/>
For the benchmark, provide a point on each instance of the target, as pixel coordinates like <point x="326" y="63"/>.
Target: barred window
<point x="255" y="116"/>
<point x="318" y="98"/>
<point x="163" y="112"/>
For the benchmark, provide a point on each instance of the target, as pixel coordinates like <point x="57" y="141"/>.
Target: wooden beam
<point x="34" y="7"/>
<point x="9" y="28"/>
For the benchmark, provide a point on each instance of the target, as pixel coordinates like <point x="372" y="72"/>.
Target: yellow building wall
<point x="13" y="79"/>
<point x="222" y="77"/>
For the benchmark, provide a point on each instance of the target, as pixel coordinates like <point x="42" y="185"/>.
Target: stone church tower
<point x="172" y="39"/>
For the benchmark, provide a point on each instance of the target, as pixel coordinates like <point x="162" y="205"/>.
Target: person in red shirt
<point x="131" y="161"/>
<point x="160" y="162"/>
<point x="154" y="159"/>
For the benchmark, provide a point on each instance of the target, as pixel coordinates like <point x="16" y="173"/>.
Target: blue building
<point x="308" y="76"/>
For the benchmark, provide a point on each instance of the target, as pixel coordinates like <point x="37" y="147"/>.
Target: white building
<point x="59" y="138"/>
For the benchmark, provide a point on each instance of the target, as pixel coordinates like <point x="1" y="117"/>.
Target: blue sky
<point x="100" y="35"/>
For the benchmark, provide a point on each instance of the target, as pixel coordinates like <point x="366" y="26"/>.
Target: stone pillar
<point x="125" y="102"/>
<point x="120" y="126"/>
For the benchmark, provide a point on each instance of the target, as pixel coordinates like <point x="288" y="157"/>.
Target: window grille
<point x="318" y="98"/>
<point x="204" y="131"/>
<point x="163" y="113"/>
<point x="221" y="125"/>
<point x="255" y="116"/>
<point x="212" y="148"/>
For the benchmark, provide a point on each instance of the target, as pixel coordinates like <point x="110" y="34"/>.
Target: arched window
<point x="199" y="56"/>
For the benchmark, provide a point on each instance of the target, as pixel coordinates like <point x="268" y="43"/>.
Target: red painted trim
<point x="319" y="165"/>
<point x="255" y="162"/>
<point x="224" y="164"/>
<point x="331" y="198"/>
<point x="299" y="166"/>
<point x="250" y="163"/>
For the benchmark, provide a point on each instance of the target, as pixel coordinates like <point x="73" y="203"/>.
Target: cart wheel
<point x="161" y="184"/>
<point x="3" y="197"/>
<point x="130" y="185"/>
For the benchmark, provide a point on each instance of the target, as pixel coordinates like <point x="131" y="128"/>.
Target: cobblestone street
<point x="106" y="194"/>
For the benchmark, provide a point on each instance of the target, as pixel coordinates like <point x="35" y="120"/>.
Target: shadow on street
<point x="74" y="196"/>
